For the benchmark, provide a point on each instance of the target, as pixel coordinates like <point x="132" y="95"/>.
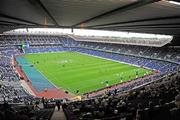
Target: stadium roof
<point x="149" y="16"/>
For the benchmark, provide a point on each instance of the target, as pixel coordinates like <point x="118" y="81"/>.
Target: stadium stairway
<point x="58" y="115"/>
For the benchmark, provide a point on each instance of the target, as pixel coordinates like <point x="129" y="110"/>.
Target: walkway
<point x="58" y="115"/>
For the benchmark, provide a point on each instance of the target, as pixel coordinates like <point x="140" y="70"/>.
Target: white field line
<point x="45" y="77"/>
<point x="41" y="74"/>
<point x="113" y="60"/>
<point x="94" y="56"/>
<point x="83" y="54"/>
<point x="67" y="89"/>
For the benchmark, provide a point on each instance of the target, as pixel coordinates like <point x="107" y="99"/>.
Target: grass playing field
<point x="74" y="71"/>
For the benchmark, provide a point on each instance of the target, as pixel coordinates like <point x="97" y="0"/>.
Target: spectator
<point x="176" y="111"/>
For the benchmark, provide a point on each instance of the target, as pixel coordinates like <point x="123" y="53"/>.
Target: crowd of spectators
<point x="31" y="110"/>
<point x="10" y="86"/>
<point x="162" y="53"/>
<point x="155" y="101"/>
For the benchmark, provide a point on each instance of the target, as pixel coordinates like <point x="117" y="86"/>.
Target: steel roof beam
<point x="18" y="19"/>
<point x="135" y="26"/>
<point x="136" y="21"/>
<point x="47" y="12"/>
<point x="125" y="8"/>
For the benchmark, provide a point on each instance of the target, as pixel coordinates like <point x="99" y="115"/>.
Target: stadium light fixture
<point x="174" y="2"/>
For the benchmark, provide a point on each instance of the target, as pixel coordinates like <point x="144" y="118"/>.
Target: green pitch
<point x="74" y="71"/>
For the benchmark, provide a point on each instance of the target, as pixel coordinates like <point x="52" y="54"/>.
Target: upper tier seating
<point x="136" y="103"/>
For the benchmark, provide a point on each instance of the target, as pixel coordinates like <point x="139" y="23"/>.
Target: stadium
<point x="89" y="60"/>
